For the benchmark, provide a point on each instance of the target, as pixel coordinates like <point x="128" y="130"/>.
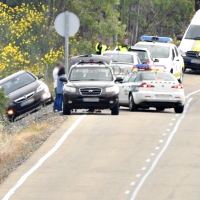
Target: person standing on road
<point x="100" y="47"/>
<point x="108" y="44"/>
<point x="55" y="77"/>
<point x="59" y="90"/>
<point x="124" y="46"/>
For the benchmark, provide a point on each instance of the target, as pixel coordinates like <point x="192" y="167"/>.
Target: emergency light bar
<point x="156" y="39"/>
<point x="160" y="68"/>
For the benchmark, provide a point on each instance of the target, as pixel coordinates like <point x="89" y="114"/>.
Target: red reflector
<point x="145" y="85"/>
<point x="180" y="86"/>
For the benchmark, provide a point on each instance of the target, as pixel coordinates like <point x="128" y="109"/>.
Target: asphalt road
<point x="147" y="155"/>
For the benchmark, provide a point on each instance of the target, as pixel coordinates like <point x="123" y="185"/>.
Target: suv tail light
<point x="179" y="86"/>
<point x="145" y="85"/>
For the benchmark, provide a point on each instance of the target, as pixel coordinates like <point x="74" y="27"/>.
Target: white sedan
<point x="145" y="89"/>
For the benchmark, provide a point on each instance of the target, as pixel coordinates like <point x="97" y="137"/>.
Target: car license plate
<point x="90" y="99"/>
<point x="197" y="61"/>
<point x="25" y="103"/>
<point x="163" y="96"/>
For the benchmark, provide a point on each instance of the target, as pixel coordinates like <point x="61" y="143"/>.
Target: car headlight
<point x="113" y="89"/>
<point x="40" y="88"/>
<point x="69" y="89"/>
<point x="182" y="52"/>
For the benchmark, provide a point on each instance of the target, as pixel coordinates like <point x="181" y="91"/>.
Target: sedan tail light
<point x="179" y="86"/>
<point x="145" y="85"/>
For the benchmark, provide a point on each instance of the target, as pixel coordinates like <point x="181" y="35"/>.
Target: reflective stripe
<point x="124" y="48"/>
<point x="196" y="46"/>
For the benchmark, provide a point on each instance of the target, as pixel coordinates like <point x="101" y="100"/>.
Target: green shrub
<point x="3" y="102"/>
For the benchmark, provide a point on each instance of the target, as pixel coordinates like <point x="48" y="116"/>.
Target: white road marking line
<point x="177" y="115"/>
<point x="168" y="130"/>
<point x="171" y="124"/>
<point x="161" y="152"/>
<point x="164" y="134"/>
<point x="190" y="94"/>
<point x="157" y="148"/>
<point x="148" y="160"/>
<point x="173" y="119"/>
<point x="41" y="161"/>
<point x="161" y="141"/>
<point x="138" y="175"/>
<point x="127" y="192"/>
<point x="152" y="154"/>
<point x="132" y="183"/>
<point x="144" y="168"/>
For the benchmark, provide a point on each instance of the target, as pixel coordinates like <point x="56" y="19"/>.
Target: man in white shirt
<point x="55" y="74"/>
<point x="55" y="77"/>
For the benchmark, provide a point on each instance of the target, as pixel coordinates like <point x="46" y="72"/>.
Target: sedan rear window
<point x="120" y="57"/>
<point x="18" y="82"/>
<point x="157" y="77"/>
<point x="143" y="56"/>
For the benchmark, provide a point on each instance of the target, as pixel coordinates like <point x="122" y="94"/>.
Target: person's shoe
<point x="90" y="110"/>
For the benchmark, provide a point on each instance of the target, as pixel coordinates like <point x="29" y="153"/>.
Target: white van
<point x="190" y="44"/>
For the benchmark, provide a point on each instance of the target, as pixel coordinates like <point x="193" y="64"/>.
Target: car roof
<point x="12" y="76"/>
<point x="154" y="43"/>
<point x="89" y="65"/>
<point x="119" y="52"/>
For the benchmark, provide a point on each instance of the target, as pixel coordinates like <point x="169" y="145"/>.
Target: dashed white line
<point x="161" y="152"/>
<point x="144" y="168"/>
<point x="171" y="124"/>
<point x="168" y="130"/>
<point x="164" y="134"/>
<point x="45" y="157"/>
<point x="127" y="192"/>
<point x="161" y="141"/>
<point x="152" y="154"/>
<point x="157" y="148"/>
<point x="138" y="175"/>
<point x="132" y="183"/>
<point x="173" y="119"/>
<point x="148" y="160"/>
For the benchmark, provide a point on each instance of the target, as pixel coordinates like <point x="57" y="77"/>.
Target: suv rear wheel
<point x="66" y="110"/>
<point x="115" y="109"/>
<point x="160" y="108"/>
<point x="179" y="109"/>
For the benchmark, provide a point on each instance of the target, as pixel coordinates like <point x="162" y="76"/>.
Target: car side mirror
<point x="179" y="37"/>
<point x="40" y="76"/>
<point x="118" y="79"/>
<point x="156" y="60"/>
<point x="63" y="79"/>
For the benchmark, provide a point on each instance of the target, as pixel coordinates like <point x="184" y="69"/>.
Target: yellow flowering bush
<point x="27" y="41"/>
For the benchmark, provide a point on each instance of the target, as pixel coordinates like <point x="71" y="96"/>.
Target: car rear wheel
<point x="132" y="105"/>
<point x="66" y="110"/>
<point x="160" y="109"/>
<point x="179" y="109"/>
<point x="115" y="109"/>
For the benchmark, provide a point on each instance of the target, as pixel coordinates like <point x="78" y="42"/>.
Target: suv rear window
<point x="120" y="57"/>
<point x="157" y="51"/>
<point x="91" y="74"/>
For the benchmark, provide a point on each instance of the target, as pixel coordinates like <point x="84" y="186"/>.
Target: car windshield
<point x="17" y="82"/>
<point x="143" y="56"/>
<point x="193" y="32"/>
<point x="153" y="76"/>
<point x="120" y="57"/>
<point x="157" y="51"/>
<point x="91" y="74"/>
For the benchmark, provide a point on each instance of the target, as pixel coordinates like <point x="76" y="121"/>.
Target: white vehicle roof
<point x="120" y="52"/>
<point x="195" y="19"/>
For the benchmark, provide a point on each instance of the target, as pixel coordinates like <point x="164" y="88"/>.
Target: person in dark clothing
<point x="59" y="90"/>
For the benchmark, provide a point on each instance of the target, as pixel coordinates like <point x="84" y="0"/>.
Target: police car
<point x="148" y="86"/>
<point x="167" y="54"/>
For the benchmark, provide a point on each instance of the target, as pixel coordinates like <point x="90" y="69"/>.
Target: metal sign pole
<point x="66" y="40"/>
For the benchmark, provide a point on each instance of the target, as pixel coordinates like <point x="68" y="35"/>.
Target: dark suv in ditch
<point x="90" y="85"/>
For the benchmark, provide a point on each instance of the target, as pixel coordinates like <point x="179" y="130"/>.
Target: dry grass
<point x="16" y="148"/>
